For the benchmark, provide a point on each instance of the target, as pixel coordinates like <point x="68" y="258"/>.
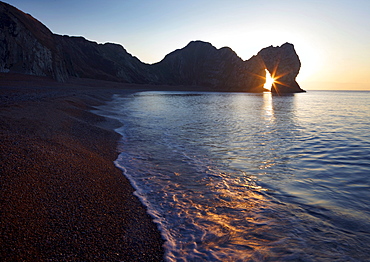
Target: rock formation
<point x="283" y="64"/>
<point x="28" y="47"/>
<point x="201" y="64"/>
<point x="86" y="59"/>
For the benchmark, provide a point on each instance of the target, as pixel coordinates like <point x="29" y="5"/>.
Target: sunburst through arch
<point x="269" y="81"/>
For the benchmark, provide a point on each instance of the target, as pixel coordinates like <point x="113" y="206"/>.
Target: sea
<point x="250" y="177"/>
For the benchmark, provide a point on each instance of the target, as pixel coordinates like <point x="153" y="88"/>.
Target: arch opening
<point x="269" y="81"/>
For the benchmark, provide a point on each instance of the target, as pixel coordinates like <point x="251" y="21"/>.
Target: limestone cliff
<point x="87" y="59"/>
<point x="283" y="64"/>
<point x="201" y="64"/>
<point x="28" y="47"/>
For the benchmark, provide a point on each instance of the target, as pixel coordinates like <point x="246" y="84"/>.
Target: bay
<point x="251" y="177"/>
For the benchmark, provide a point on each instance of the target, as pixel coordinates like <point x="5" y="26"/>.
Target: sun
<point x="269" y="80"/>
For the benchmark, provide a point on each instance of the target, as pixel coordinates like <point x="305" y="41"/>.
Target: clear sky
<point x="331" y="37"/>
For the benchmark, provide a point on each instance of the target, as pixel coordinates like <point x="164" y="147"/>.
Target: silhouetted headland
<point x="29" y="47"/>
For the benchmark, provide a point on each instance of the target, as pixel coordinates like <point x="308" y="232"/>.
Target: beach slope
<point x="62" y="198"/>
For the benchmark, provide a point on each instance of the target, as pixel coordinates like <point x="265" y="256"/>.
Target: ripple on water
<point x="232" y="177"/>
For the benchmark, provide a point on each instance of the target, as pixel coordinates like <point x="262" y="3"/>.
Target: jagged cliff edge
<point x="29" y="47"/>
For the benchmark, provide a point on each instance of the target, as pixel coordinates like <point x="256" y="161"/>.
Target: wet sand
<point x="61" y="197"/>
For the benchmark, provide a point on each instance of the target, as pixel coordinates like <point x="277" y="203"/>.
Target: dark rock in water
<point x="28" y="47"/>
<point x="283" y="63"/>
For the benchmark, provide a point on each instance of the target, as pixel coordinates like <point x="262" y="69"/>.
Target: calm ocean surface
<point x="251" y="177"/>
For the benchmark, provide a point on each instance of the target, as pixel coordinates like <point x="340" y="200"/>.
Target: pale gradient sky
<point x="331" y="37"/>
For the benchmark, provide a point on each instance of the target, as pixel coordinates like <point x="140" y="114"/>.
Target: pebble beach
<point x="61" y="197"/>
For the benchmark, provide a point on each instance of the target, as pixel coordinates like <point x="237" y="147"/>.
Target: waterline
<point x="235" y="176"/>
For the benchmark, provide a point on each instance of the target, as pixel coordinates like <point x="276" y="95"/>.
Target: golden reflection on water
<point x="236" y="222"/>
<point x="267" y="106"/>
<point x="233" y="221"/>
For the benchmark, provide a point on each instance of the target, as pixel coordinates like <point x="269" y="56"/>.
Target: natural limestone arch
<point x="283" y="64"/>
